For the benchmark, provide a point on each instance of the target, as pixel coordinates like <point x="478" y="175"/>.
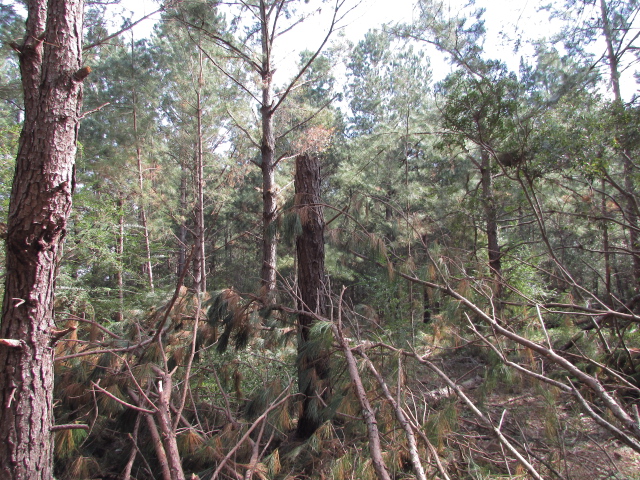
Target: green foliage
<point x="479" y="109"/>
<point x="403" y="166"/>
<point x="67" y="442"/>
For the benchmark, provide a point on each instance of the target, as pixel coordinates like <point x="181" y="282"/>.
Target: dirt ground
<point x="559" y="439"/>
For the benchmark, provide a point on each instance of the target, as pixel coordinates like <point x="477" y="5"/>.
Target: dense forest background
<point x="349" y="270"/>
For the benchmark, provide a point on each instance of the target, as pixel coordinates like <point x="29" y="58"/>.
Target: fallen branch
<point x="120" y="401"/>
<point x="126" y="474"/>
<point x="279" y="401"/>
<point x="619" y="434"/>
<point x="496" y="430"/>
<point x="367" y="412"/>
<point x="400" y="416"/>
<point x="69" y="426"/>
<point x="432" y="449"/>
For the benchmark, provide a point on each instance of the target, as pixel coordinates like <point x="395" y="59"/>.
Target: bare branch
<point x="69" y="426"/>
<point x="120" y="401"/>
<point x="367" y="411"/>
<point x="400" y="416"/>
<point x="122" y="30"/>
<point x="284" y="396"/>
<point x="332" y="26"/>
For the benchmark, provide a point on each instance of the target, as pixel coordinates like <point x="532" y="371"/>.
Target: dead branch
<point x="619" y="434"/>
<point x="120" y="401"/>
<point x="284" y="396"/>
<point x="126" y="474"/>
<point x="70" y="426"/>
<point x="432" y="449"/>
<point x="367" y="412"/>
<point x="496" y="430"/>
<point x="400" y="416"/>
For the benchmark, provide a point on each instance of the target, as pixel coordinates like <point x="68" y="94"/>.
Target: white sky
<point x="373" y="13"/>
<point x="505" y="20"/>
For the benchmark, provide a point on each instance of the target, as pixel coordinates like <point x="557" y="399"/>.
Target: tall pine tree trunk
<point x="313" y="367"/>
<point x="120" y="257"/>
<point x="50" y="62"/>
<point x="605" y="245"/>
<point x="182" y="232"/>
<point x="632" y="212"/>
<point x="199" y="270"/>
<point x="268" y="166"/>
<point x="491" y="221"/>
<point x="143" y="212"/>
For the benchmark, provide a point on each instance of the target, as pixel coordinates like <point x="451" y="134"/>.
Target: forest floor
<point x="560" y="439"/>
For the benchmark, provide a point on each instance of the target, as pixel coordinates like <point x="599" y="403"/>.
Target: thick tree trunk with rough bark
<point x="40" y="204"/>
<point x="313" y="370"/>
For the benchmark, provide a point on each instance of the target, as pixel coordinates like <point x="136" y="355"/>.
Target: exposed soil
<point x="560" y="439"/>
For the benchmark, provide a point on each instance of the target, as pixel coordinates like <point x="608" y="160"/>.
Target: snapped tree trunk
<point x="313" y="368"/>
<point x="50" y="64"/>
<point x="167" y="432"/>
<point x="156" y="440"/>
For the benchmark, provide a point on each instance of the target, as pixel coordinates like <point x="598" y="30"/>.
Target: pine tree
<point x="52" y="77"/>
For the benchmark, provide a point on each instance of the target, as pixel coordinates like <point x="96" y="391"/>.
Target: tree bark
<point x="199" y="270"/>
<point x="491" y="220"/>
<point x="268" y="165"/>
<point x="143" y="211"/>
<point x="429" y="304"/>
<point x="313" y="370"/>
<point x="120" y="257"/>
<point x="39" y="209"/>
<point x="182" y="232"/>
<point x="631" y="212"/>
